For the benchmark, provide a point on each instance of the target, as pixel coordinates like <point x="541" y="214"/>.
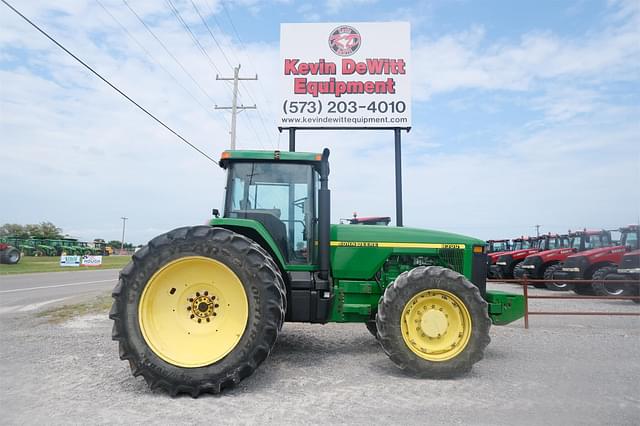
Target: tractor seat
<point x="272" y="224"/>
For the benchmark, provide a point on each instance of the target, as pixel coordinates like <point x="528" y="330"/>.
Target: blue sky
<point x="524" y="113"/>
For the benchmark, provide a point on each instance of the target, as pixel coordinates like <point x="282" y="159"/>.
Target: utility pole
<point x="124" y="219"/>
<point x="234" y="104"/>
<point x="538" y="230"/>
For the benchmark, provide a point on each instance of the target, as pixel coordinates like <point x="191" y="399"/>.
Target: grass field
<point x="30" y="264"/>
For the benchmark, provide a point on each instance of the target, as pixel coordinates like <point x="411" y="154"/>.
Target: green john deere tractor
<point x="199" y="308"/>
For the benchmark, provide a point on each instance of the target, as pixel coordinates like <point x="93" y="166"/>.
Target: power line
<point x="166" y="49"/>
<point x="242" y="87"/>
<point x="107" y="81"/>
<point x="169" y="73"/>
<point x="187" y="28"/>
<point x="244" y="49"/>
<point x="211" y="33"/>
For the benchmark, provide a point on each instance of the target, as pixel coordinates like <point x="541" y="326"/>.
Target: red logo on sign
<point x="344" y="40"/>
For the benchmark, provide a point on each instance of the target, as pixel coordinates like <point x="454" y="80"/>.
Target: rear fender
<point x="256" y="232"/>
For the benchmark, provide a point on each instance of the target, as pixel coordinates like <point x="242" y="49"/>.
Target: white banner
<point x="69" y="260"/>
<point x="352" y="75"/>
<point x="91" y="261"/>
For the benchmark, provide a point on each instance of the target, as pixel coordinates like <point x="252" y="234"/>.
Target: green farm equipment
<point x="199" y="308"/>
<point x="44" y="248"/>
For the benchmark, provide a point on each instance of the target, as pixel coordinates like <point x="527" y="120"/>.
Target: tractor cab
<point x="495" y="246"/>
<point x="630" y="236"/>
<point x="553" y="241"/>
<point x="280" y="195"/>
<point x="524" y="243"/>
<point x="590" y="239"/>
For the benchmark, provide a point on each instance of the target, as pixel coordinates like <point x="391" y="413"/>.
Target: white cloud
<point x="467" y="60"/>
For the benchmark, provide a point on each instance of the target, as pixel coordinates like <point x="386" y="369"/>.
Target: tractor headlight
<point x="571" y="269"/>
<point x="501" y="263"/>
<point x="528" y="266"/>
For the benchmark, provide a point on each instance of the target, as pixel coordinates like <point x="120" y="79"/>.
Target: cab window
<point x="281" y="197"/>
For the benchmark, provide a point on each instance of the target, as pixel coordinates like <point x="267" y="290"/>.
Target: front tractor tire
<point x="197" y="310"/>
<point x="433" y="323"/>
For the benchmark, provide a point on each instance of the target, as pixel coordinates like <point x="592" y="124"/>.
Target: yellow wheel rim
<point x="436" y="325"/>
<point x="193" y="311"/>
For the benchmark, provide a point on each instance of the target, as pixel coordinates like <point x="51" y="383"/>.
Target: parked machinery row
<point x="57" y="247"/>
<point x="579" y="255"/>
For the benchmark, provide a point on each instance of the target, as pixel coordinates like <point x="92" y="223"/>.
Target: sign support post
<point x="398" y="152"/>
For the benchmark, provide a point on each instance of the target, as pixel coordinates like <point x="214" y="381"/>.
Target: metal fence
<point x="525" y="282"/>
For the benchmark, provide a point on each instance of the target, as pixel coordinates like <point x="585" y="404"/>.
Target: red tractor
<point x="507" y="262"/>
<point x="9" y="254"/>
<point x="543" y="265"/>
<point x="492" y="256"/>
<point x="596" y="263"/>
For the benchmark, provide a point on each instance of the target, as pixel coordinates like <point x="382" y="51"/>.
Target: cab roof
<point x="245" y="155"/>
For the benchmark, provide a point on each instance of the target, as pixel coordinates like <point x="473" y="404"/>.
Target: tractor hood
<point x="522" y="253"/>
<point x="378" y="234"/>
<point x="633" y="253"/>
<point x="598" y="252"/>
<point x="555" y="253"/>
<point x="358" y="252"/>
<point x="495" y="255"/>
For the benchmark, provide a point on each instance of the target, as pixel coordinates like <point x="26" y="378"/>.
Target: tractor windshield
<point x="499" y="246"/>
<point x="281" y="197"/>
<point x="630" y="240"/>
<point x="596" y="241"/>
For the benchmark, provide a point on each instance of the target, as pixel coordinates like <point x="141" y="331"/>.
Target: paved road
<point x="29" y="292"/>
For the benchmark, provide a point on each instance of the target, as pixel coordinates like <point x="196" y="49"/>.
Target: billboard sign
<point x="345" y="75"/>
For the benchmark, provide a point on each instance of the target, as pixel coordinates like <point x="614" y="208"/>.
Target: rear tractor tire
<point x="433" y="323"/>
<point x="602" y="288"/>
<point x="10" y="256"/>
<point x="555" y="285"/>
<point x="197" y="310"/>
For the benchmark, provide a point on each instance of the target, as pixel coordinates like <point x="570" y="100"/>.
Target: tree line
<point x="40" y="230"/>
<point x="46" y="230"/>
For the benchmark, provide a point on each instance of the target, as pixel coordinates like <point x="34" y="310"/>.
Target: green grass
<point x="29" y="264"/>
<point x="100" y="304"/>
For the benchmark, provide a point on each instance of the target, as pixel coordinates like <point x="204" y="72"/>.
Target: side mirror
<point x="215" y="212"/>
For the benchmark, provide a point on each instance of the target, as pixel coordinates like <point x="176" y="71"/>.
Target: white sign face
<point x="69" y="260"/>
<point x="353" y="75"/>
<point x="91" y="261"/>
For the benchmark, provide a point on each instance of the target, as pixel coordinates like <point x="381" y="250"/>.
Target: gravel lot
<point x="577" y="370"/>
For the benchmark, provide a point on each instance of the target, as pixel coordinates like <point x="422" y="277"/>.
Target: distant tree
<point x="49" y="230"/>
<point x="42" y="230"/>
<point x="13" y="230"/>
<point x="114" y="243"/>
